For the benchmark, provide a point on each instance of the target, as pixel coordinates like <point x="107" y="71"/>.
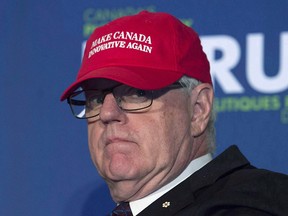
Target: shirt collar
<point x="138" y="205"/>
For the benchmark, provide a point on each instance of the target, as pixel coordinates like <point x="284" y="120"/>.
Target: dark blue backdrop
<point x="44" y="160"/>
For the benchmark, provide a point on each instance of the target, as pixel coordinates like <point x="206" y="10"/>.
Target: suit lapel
<point x="184" y="193"/>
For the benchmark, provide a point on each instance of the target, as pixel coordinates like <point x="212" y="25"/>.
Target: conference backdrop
<point x="44" y="159"/>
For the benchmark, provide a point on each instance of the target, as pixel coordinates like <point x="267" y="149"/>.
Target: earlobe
<point x="202" y="103"/>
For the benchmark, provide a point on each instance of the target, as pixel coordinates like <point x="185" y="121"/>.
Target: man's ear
<point x="202" y="102"/>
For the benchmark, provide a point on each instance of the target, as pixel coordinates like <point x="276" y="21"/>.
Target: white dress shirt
<point x="138" y="205"/>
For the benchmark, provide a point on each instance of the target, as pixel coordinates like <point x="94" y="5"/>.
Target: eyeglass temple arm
<point x="76" y="102"/>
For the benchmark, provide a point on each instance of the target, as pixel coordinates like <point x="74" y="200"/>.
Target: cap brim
<point x="142" y="78"/>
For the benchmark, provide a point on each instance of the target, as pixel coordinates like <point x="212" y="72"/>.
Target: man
<point x="145" y="89"/>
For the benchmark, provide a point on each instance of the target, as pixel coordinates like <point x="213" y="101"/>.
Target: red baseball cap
<point x="149" y="50"/>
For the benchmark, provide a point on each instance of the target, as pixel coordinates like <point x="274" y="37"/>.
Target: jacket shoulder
<point x="244" y="190"/>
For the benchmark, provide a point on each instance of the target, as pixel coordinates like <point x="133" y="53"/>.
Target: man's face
<point x="136" y="153"/>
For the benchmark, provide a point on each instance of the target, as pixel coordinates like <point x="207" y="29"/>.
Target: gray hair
<point x="190" y="83"/>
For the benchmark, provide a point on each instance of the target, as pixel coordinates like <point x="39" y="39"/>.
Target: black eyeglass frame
<point x="70" y="101"/>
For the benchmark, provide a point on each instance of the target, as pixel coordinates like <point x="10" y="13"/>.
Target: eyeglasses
<point x="87" y="103"/>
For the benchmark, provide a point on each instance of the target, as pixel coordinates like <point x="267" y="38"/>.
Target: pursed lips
<point x="116" y="140"/>
<point x="118" y="145"/>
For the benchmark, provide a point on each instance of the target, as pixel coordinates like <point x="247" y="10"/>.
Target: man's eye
<point x="95" y="101"/>
<point x="137" y="93"/>
<point x="99" y="100"/>
<point x="133" y="92"/>
<point x="141" y="93"/>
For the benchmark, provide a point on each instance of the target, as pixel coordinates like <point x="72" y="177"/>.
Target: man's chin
<point x="120" y="170"/>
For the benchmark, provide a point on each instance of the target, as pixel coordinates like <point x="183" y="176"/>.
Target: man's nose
<point x="110" y="111"/>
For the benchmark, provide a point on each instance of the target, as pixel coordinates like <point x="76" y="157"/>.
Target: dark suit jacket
<point x="228" y="186"/>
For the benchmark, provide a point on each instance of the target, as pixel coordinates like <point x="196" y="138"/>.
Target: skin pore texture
<point x="137" y="153"/>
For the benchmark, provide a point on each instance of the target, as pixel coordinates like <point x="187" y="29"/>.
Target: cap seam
<point x="174" y="45"/>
